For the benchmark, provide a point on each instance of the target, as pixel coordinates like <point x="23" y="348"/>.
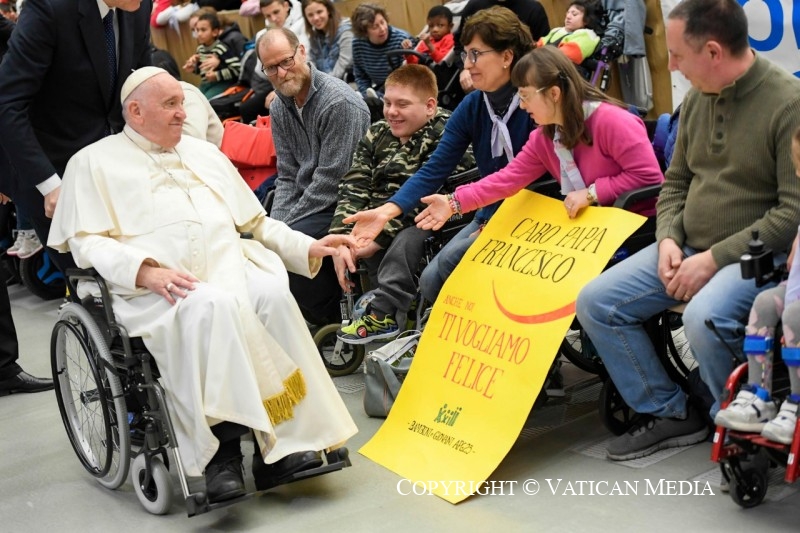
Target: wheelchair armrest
<point x="424" y="59"/>
<point x="462" y="178"/>
<point x="90" y="274"/>
<point x="548" y="186"/>
<point x="627" y="199"/>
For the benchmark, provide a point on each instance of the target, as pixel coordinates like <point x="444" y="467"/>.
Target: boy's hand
<point x="190" y="63"/>
<point x="210" y="75"/>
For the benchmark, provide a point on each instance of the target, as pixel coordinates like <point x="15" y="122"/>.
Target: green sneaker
<point x="368" y="328"/>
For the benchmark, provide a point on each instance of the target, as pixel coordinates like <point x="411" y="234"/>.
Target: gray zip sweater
<point x="315" y="150"/>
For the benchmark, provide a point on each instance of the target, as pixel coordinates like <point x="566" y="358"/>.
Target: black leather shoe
<point x="24" y="382"/>
<point x="267" y="476"/>
<point x="224" y="480"/>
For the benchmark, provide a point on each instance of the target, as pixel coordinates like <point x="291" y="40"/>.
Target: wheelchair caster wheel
<point x="337" y="455"/>
<point x="617" y="417"/>
<point x="749" y="489"/>
<point x="156" y="496"/>
<point x="339" y="358"/>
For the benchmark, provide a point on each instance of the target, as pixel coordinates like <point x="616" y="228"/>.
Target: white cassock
<point x="236" y="348"/>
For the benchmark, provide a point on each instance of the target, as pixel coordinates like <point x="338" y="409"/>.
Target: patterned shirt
<point x="381" y="164"/>
<point x="229" y="64"/>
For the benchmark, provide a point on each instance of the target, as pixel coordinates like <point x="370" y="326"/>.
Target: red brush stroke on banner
<point x="541" y="318"/>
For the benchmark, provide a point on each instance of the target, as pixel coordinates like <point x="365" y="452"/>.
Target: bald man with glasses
<point x="317" y="121"/>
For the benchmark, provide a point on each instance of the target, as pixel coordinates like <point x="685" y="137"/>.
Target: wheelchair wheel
<point x="678" y="349"/>
<point x="580" y="351"/>
<point x="90" y="396"/>
<point x="41" y="277"/>
<point x="749" y="488"/>
<point x="349" y="357"/>
<point x="615" y="414"/>
<point x="155" y="496"/>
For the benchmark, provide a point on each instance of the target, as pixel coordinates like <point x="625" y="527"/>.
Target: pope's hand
<point x="329" y="245"/>
<point x="166" y="282"/>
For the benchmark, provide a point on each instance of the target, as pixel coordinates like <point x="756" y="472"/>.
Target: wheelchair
<point x="745" y="458"/>
<point x="114" y="409"/>
<point x="341" y="358"/>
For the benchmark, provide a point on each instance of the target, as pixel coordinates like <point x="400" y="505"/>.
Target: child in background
<point x="577" y="38"/>
<point x="226" y="72"/>
<point x="27" y="243"/>
<point x="438" y="40"/>
<point x="754" y="409"/>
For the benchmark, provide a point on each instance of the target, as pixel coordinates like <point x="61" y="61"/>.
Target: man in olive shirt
<point x="731" y="173"/>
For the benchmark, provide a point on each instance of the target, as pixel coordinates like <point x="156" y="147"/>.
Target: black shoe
<point x="224" y="480"/>
<point x="267" y="476"/>
<point x="24" y="382"/>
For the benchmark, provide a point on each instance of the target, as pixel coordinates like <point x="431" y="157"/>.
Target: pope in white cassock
<point x="159" y="216"/>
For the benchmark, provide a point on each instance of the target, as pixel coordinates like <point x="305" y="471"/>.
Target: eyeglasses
<point x="523" y="98"/>
<point x="286" y="64"/>
<point x="473" y="55"/>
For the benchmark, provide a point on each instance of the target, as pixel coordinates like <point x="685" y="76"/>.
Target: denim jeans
<point x="613" y="307"/>
<point x="442" y="265"/>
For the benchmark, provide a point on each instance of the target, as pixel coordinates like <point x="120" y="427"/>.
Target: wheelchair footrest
<point x="197" y="503"/>
<point x="334" y="460"/>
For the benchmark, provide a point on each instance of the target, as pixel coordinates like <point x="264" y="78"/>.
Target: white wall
<point x="773" y="33"/>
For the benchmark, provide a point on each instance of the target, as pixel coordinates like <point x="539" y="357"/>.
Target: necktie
<point x="111" y="48"/>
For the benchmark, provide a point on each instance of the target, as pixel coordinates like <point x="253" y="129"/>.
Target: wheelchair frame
<point x="95" y="390"/>
<point x="732" y="449"/>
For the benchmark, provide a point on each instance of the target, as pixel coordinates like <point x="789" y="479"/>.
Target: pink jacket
<point x="621" y="158"/>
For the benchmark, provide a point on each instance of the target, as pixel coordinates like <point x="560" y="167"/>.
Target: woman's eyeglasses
<point x="473" y="55"/>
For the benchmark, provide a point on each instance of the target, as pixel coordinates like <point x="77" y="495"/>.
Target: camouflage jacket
<point x="381" y="165"/>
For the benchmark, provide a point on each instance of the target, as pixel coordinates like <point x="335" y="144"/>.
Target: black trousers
<point x="9" y="347"/>
<point x="319" y="297"/>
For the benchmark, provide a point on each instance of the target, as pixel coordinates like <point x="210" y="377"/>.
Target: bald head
<point x="277" y="36"/>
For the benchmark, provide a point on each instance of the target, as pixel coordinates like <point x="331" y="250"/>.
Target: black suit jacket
<point x="530" y="12"/>
<point x="6" y="28"/>
<point x="54" y="90"/>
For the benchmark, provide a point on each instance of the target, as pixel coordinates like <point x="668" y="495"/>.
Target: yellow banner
<point x="491" y="338"/>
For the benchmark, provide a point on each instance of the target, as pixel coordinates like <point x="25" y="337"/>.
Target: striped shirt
<point x="229" y="64"/>
<point x="370" y="66"/>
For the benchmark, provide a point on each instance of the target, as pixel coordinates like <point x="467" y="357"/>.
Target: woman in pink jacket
<point x="592" y="145"/>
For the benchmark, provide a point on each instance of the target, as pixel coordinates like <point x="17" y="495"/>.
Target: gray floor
<point x="44" y="488"/>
